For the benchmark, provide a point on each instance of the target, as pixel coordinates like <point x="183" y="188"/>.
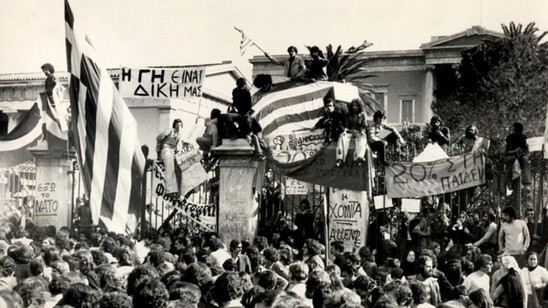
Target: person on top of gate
<point x="333" y="122"/>
<point x="318" y="64"/>
<point x="374" y="136"/>
<point x="169" y="143"/>
<point x="516" y="150"/>
<point x="294" y="66"/>
<point x="356" y="125"/>
<point x="438" y="133"/>
<point x="51" y="80"/>
<point x="241" y="98"/>
<point x="210" y="138"/>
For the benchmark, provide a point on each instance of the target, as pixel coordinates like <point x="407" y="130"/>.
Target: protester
<point x="439" y="134"/>
<point x="356" y="124"/>
<point x="333" y="122"/>
<point x="317" y="67"/>
<point x="168" y="144"/>
<point x="513" y="235"/>
<point x="536" y="279"/>
<point x="294" y="66"/>
<point x="374" y="136"/>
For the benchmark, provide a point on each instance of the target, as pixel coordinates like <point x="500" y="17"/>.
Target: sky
<point x="139" y="33"/>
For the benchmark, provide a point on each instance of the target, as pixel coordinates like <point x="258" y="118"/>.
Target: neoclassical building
<point x="18" y="93"/>
<point x="406" y="80"/>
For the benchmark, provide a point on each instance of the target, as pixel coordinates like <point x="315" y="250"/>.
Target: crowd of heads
<point x="41" y="266"/>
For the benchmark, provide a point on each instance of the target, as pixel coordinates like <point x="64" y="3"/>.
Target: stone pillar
<point x="428" y="93"/>
<point x="238" y="207"/>
<point x="53" y="205"/>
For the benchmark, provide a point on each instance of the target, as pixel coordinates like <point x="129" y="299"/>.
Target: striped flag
<point x="287" y="113"/>
<point x="105" y="136"/>
<point x="245" y="42"/>
<point x="13" y="147"/>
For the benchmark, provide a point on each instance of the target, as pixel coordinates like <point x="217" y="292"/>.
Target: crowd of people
<point x="468" y="261"/>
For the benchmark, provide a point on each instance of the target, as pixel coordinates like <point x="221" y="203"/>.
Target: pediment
<point x="468" y="38"/>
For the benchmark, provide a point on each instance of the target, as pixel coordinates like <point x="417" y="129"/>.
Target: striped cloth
<point x="105" y="137"/>
<point x="287" y="112"/>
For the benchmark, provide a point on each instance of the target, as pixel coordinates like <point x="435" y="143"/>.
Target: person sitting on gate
<point x="168" y="143"/>
<point x="468" y="141"/>
<point x="249" y="128"/>
<point x="210" y="138"/>
<point x="356" y="126"/>
<point x="516" y="150"/>
<point x="374" y="136"/>
<point x="333" y="122"/>
<point x="438" y="133"/>
<point x="241" y="98"/>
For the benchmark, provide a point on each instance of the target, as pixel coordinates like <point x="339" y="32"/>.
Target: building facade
<point x="406" y="80"/>
<point x="18" y="93"/>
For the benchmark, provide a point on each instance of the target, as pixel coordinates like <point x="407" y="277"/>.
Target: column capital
<point x="429" y="67"/>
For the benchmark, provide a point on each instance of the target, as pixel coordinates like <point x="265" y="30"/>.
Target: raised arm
<point x="273" y="60"/>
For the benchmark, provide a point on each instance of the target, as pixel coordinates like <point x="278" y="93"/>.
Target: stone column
<point x="53" y="203"/>
<point x="238" y="207"/>
<point x="428" y="92"/>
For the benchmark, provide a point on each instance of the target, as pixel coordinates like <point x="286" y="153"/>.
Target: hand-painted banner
<point x="306" y="158"/>
<point x="348" y="217"/>
<point x="203" y="213"/>
<point x="431" y="178"/>
<point x="162" y="83"/>
<point x="295" y="187"/>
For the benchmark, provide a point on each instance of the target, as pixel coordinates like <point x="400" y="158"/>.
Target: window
<point x="407" y="110"/>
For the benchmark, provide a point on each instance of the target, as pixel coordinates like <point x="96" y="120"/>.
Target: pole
<point x="326" y="223"/>
<point x="73" y="174"/>
<point x="541" y="192"/>
<point x="148" y="163"/>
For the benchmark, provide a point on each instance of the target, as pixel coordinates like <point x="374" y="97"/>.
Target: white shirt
<point x="477" y="280"/>
<point x="219" y="257"/>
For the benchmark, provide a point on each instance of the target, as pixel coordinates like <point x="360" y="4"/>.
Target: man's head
<point x="337" y="247"/>
<point x="378" y="117"/>
<point x="329" y="105"/>
<point x="530" y="213"/>
<point x="177" y="124"/>
<point x="48" y="69"/>
<point x="471" y="131"/>
<point x="484" y="263"/>
<point x="305" y="205"/>
<point x="425" y="266"/>
<point x="270" y="174"/>
<point x="292" y="51"/>
<point x="315" y="51"/>
<point x="436" y="122"/>
<point x="517" y="127"/>
<point x="240" y="83"/>
<point x="509" y="214"/>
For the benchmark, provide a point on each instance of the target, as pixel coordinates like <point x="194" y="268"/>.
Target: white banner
<point x="295" y="187"/>
<point x="348" y="217"/>
<point x="431" y="178"/>
<point x="161" y="82"/>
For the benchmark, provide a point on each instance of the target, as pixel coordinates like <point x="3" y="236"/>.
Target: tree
<point x="499" y="82"/>
<point x="348" y="66"/>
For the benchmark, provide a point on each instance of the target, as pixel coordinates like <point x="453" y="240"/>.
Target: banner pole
<point x="326" y="223"/>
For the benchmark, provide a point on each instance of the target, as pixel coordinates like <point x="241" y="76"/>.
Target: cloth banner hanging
<point x="408" y="179"/>
<point x="348" y="217"/>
